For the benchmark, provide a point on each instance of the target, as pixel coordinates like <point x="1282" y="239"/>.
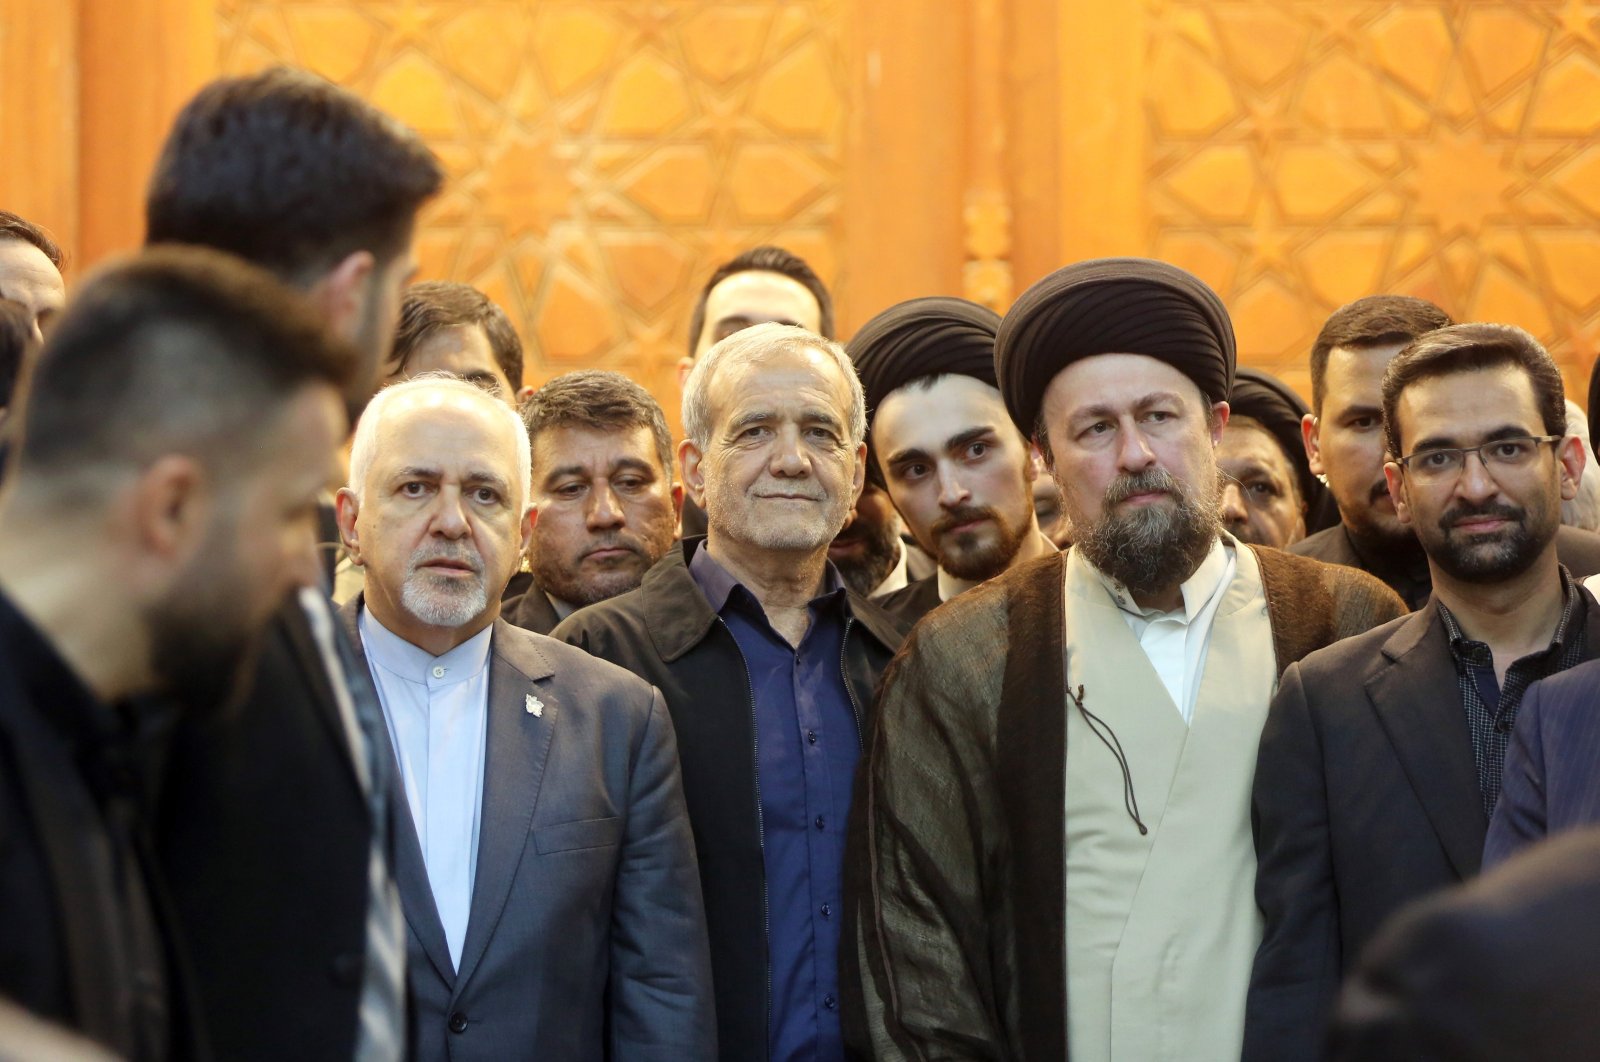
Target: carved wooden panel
<point x="604" y="155"/>
<point x="1301" y="153"/>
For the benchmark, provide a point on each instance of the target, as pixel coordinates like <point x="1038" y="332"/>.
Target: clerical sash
<point x="1162" y="928"/>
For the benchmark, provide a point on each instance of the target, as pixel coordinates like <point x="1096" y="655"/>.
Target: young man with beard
<point x="958" y="470"/>
<point x="605" y="507"/>
<point x="1381" y="762"/>
<point x="1011" y="804"/>
<point x="1344" y="442"/>
<point x="179" y="423"/>
<point x="768" y="663"/>
<point x="543" y="853"/>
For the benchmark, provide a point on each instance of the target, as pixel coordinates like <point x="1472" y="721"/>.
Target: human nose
<point x="604" y="508"/>
<point x="1475" y="481"/>
<point x="788" y="456"/>
<point x="1234" y="509"/>
<point x="449" y="514"/>
<point x="1134" y="453"/>
<point x="952" y="492"/>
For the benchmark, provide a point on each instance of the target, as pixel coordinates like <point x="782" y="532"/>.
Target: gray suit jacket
<point x="587" y="936"/>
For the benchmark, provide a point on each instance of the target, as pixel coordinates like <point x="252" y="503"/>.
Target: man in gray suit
<point x="545" y="861"/>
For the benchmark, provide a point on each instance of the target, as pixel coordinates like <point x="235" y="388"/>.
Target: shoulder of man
<point x="888" y="627"/>
<point x="979" y="616"/>
<point x="1329" y="544"/>
<point x="1313" y="604"/>
<point x="912" y="601"/>
<point x="538" y="656"/>
<point x="665" y="615"/>
<point x="1579" y="550"/>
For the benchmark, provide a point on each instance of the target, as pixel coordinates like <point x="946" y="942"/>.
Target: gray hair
<point x="364" y="448"/>
<point x="753" y="344"/>
<point x="1584" y="509"/>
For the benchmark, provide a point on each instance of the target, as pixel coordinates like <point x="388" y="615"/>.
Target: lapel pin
<point x="535" y="706"/>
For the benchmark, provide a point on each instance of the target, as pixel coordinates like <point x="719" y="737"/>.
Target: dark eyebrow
<point x="1362" y="411"/>
<point x="900" y="457"/>
<point x="636" y="464"/>
<point x="1449" y="442"/>
<point x="1102" y="411"/>
<point x="961" y="440"/>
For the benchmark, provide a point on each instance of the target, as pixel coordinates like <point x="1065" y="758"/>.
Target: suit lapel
<point x="1417" y="705"/>
<point x="518" y="745"/>
<point x="410" y="872"/>
<point x="297" y="626"/>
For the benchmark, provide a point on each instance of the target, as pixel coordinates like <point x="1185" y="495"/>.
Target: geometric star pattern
<point x="603" y="155"/>
<point x="1302" y="153"/>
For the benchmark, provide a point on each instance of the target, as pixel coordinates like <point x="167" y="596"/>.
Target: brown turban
<point x="923" y="337"/>
<point x="1112" y="306"/>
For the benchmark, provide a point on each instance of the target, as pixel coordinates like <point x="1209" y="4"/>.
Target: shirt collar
<point x="399" y="657"/>
<point x="1198" y="589"/>
<point x="897" y="577"/>
<point x="1571" y="611"/>
<point x="718" y="584"/>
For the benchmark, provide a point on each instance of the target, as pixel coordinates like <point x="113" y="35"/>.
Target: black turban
<point x="1112" y="306"/>
<point x="1268" y="399"/>
<point x="923" y="337"/>
<point x="918" y="338"/>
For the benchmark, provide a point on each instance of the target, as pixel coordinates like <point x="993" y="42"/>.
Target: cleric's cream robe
<point x="1161" y="930"/>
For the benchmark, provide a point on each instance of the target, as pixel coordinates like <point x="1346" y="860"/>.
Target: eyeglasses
<point x="1497" y="455"/>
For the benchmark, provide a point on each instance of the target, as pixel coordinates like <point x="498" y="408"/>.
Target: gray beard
<point x="1154" y="547"/>
<point x="443" y="605"/>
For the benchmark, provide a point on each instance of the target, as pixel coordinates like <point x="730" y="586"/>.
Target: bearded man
<point x="1010" y="803"/>
<point x="939" y="438"/>
<point x="1383" y="759"/>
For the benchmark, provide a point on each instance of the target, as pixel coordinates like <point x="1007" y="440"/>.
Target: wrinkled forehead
<point x="447" y="428"/>
<point x="1115" y="383"/>
<point x="804" y="375"/>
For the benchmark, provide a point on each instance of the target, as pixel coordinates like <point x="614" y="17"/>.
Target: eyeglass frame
<point x="1540" y="440"/>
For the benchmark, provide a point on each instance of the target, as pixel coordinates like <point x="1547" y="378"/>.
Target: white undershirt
<point x="1175" y="642"/>
<point x="437" y="709"/>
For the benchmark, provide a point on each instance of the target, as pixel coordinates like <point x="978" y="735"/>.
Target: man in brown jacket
<point x="995" y="774"/>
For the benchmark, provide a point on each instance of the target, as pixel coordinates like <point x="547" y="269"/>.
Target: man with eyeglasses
<point x="1381" y="759"/>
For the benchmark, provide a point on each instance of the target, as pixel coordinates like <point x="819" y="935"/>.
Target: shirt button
<point x="811" y="736"/>
<point x="827" y="910"/>
<point x="458" y="1022"/>
<point x="438" y="672"/>
<point x="829" y="1002"/>
<point x="822" y="823"/>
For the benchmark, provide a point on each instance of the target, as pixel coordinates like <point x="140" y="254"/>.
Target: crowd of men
<point x="1033" y="686"/>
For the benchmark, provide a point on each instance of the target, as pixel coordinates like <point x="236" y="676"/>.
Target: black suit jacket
<point x="265" y="835"/>
<point x="1501" y="970"/>
<point x="1576" y="548"/>
<point x="912" y="601"/>
<point x="1366" y="797"/>
<point x="525" y="604"/>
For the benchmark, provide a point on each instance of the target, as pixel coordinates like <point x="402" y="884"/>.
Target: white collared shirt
<point x="437" y="710"/>
<point x="1175" y="642"/>
<point x="897" y="577"/>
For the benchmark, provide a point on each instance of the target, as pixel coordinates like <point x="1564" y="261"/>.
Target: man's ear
<point x="1219" y="421"/>
<point x="1396" y="481"/>
<point x="1036" y="466"/>
<point x="346" y="508"/>
<point x="1571" y="458"/>
<point x="1311" y="436"/>
<point x="690" y="472"/>
<point x="677" y="502"/>
<point x="342" y="292"/>
<point x="169" y="508"/>
<point x="860" y="481"/>
<point x="530" y="517"/>
<point x="524" y="393"/>
<point x="685" y="367"/>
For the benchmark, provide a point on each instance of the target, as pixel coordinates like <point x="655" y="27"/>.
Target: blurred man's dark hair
<point x="291" y="172"/>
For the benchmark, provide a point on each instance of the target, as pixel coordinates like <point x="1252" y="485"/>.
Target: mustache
<point x="462" y="554"/>
<point x="1462" y="513"/>
<point x="965" y="514"/>
<point x="1149" y="481"/>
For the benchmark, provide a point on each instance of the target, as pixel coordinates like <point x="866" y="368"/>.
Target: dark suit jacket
<point x="1579" y="550"/>
<point x="264" y="834"/>
<point x="586" y="938"/>
<point x="525" y="604"/>
<point x="912" y="601"/>
<point x="1501" y="970"/>
<point x="1366" y="797"/>
<point x="1552" y="775"/>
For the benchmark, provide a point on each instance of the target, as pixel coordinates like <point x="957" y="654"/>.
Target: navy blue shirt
<point x="807" y="744"/>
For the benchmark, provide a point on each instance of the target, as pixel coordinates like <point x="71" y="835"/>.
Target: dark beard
<point x="973" y="564"/>
<point x="881" y="554"/>
<point x="199" y="652"/>
<point x="1153" y="548"/>
<point x="1505" y="555"/>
